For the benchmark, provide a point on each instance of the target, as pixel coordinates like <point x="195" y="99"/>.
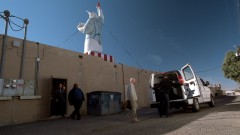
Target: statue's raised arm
<point x="100" y="12"/>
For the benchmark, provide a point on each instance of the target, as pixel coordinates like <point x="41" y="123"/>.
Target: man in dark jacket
<point x="165" y="88"/>
<point x="76" y="98"/>
<point x="61" y="100"/>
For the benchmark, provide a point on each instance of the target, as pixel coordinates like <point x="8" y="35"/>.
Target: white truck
<point x="188" y="89"/>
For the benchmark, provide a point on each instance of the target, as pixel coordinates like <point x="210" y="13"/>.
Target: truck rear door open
<point x="190" y="80"/>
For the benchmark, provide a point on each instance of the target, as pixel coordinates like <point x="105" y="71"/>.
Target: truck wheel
<point x="211" y="103"/>
<point x="196" y="106"/>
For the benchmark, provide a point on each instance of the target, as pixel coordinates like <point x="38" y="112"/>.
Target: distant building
<point x="216" y="89"/>
<point x="230" y="93"/>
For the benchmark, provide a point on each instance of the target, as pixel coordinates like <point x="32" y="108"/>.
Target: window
<point x="188" y="74"/>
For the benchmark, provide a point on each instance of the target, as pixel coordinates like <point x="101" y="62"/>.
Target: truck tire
<point x="195" y="106"/>
<point x="211" y="103"/>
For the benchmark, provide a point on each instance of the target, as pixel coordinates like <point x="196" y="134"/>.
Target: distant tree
<point x="231" y="66"/>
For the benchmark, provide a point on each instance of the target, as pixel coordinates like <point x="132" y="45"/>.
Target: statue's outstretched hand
<point x="80" y="26"/>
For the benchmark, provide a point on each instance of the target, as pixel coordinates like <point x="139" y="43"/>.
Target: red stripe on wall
<point x="111" y="59"/>
<point x="105" y="57"/>
<point x="99" y="54"/>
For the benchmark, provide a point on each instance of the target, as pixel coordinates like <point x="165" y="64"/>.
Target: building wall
<point x="90" y="72"/>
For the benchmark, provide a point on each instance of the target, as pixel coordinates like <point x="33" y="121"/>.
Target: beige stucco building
<point x="44" y="67"/>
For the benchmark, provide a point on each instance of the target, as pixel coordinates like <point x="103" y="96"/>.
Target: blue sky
<point x="159" y="35"/>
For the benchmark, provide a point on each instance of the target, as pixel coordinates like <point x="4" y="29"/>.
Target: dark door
<point x="55" y="108"/>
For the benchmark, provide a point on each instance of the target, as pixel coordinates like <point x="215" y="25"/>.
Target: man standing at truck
<point x="165" y="88"/>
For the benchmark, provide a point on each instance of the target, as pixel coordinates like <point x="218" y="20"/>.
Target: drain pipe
<point x="124" y="96"/>
<point x="23" y="49"/>
<point x="7" y="14"/>
<point x="37" y="70"/>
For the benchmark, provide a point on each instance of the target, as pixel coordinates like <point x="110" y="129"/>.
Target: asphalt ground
<point x="223" y="119"/>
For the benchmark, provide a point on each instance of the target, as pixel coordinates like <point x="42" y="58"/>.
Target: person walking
<point x="132" y="97"/>
<point x="76" y="98"/>
<point x="61" y="100"/>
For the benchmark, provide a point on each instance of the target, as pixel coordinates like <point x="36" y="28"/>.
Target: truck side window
<point x="188" y="73"/>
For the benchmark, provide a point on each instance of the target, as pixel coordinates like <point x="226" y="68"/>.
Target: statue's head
<point x="92" y="14"/>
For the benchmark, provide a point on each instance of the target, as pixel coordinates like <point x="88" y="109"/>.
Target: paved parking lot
<point x="222" y="119"/>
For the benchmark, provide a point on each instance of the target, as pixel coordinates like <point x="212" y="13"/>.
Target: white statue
<point x="92" y="29"/>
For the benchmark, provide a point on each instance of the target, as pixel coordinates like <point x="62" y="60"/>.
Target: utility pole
<point x="24" y="46"/>
<point x="6" y="18"/>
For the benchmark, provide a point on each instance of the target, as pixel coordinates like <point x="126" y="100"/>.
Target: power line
<point x="206" y="70"/>
<point x="11" y="22"/>
<point x="68" y="38"/>
<point x="20" y="27"/>
<point x="129" y="54"/>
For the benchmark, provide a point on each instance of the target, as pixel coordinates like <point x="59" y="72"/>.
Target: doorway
<point x="55" y="109"/>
